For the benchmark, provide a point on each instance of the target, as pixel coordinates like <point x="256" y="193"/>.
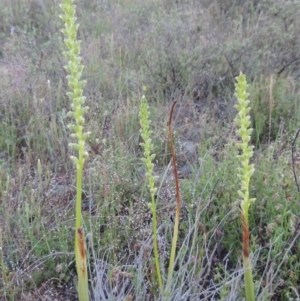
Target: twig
<point x="293" y="160"/>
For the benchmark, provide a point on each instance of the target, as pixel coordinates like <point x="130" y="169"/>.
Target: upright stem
<point x="178" y="203"/>
<point x="249" y="287"/>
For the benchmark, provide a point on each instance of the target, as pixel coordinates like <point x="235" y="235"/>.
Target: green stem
<point x="172" y="256"/>
<point x="177" y="213"/>
<point x="78" y="204"/>
<point x="155" y="244"/>
<point x="79" y="189"/>
<point x="249" y="287"/>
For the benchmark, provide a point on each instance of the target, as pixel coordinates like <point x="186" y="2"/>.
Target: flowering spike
<point x="245" y="171"/>
<point x="74" y="69"/>
<point x="148" y="157"/>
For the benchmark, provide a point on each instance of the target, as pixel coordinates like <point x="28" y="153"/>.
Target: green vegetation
<point x="186" y="51"/>
<point x="147" y="159"/>
<point x="74" y="69"/>
<point x="245" y="171"/>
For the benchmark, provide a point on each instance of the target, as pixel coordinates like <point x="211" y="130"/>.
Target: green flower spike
<point x="245" y="171"/>
<point x="74" y="69"/>
<point x="148" y="158"/>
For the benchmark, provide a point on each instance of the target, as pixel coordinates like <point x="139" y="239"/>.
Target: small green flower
<point x="148" y="158"/>
<point x="74" y="69"/>
<point x="246" y="170"/>
<point x="147" y="144"/>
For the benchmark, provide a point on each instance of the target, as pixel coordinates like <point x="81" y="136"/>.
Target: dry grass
<point x="166" y="50"/>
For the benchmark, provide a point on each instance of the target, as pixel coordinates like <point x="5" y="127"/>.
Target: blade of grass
<point x="177" y="213"/>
